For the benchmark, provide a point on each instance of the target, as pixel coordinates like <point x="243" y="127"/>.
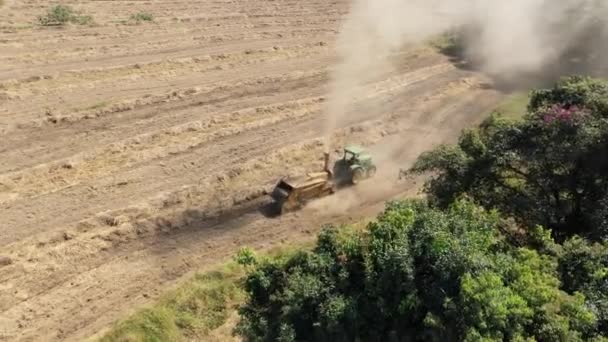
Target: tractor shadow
<point x="269" y="209"/>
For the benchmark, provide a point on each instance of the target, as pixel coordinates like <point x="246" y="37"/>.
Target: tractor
<point x="354" y="165"/>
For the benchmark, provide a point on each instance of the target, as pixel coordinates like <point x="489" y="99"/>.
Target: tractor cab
<point x="356" y="155"/>
<point x="351" y="153"/>
<point x="355" y="165"/>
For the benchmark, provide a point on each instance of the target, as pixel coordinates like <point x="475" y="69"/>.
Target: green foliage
<point x="56" y="15"/>
<point x="150" y="325"/>
<point x="550" y="169"/>
<point x="142" y="16"/>
<point x="60" y="15"/>
<point x="418" y="273"/>
<point x="447" y="269"/>
<point x="450" y="43"/>
<point x="514" y="106"/>
<point x="583" y="92"/>
<point x="445" y="41"/>
<point x="245" y="257"/>
<point x="584" y="268"/>
<point x="98" y="105"/>
<point x="190" y="312"/>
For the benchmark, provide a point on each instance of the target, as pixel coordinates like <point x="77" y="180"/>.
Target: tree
<point x="417" y="273"/>
<point x="551" y="168"/>
<point x="584" y="268"/>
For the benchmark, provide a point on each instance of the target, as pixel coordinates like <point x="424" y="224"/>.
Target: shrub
<point x="142" y="16"/>
<point x="245" y="257"/>
<point x="60" y="15"/>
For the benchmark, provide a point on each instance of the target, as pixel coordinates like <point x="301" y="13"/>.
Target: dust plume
<point x="508" y="40"/>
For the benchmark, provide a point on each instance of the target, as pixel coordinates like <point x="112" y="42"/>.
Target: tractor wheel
<point x="288" y="207"/>
<point x="358" y="175"/>
<point x="371" y="172"/>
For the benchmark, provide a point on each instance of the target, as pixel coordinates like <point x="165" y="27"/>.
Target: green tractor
<point x="355" y="166"/>
<point x="293" y="193"/>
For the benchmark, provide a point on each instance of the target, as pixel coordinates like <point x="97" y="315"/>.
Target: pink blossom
<point x="562" y="113"/>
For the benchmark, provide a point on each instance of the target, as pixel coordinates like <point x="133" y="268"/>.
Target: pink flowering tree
<point x="561" y="113"/>
<point x="550" y="168"/>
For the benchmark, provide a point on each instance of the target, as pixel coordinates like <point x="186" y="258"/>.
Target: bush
<point x="60" y="15"/>
<point x="418" y="274"/>
<point x="142" y="16"/>
<point x="245" y="257"/>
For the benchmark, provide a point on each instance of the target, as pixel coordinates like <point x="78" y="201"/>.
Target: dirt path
<point x="135" y="154"/>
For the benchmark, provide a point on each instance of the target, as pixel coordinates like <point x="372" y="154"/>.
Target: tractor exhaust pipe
<point x="326" y="162"/>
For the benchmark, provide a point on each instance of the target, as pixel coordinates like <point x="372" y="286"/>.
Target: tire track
<point x="69" y="139"/>
<point x="249" y="146"/>
<point x="56" y="209"/>
<point x="103" y="204"/>
<point x="135" y="273"/>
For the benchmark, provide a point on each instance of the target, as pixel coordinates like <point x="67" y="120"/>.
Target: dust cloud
<point x="520" y="43"/>
<point x="508" y="40"/>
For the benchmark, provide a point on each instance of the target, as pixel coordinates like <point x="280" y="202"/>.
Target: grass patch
<point x="156" y="324"/>
<point x="443" y="41"/>
<point x="97" y="106"/>
<point x="141" y="17"/>
<point x="198" y="306"/>
<point x="60" y="15"/>
<point x="448" y="43"/>
<point x="514" y="106"/>
<point x="189" y="312"/>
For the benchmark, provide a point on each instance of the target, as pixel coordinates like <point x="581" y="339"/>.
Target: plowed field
<point x="132" y="154"/>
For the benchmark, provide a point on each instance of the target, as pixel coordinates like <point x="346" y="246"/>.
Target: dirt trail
<point x="135" y="154"/>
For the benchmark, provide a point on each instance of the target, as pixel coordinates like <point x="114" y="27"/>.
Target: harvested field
<point x="135" y="153"/>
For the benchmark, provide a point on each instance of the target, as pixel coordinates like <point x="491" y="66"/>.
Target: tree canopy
<point x="551" y="168"/>
<point x="510" y="244"/>
<point x="419" y="273"/>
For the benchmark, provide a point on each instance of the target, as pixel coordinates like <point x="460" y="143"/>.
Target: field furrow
<point x="133" y="154"/>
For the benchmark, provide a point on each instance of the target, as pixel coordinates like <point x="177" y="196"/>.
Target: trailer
<point x="293" y="193"/>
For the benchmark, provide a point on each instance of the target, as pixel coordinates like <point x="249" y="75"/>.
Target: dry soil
<point x="133" y="154"/>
